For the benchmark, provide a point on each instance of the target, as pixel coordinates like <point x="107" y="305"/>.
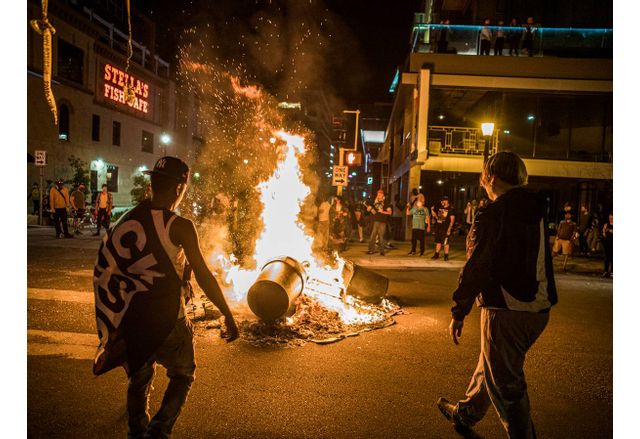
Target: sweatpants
<point x="499" y="380"/>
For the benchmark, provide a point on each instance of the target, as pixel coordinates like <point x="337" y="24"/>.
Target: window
<point x="147" y="141"/>
<point x="95" y="128"/>
<point x="116" y="133"/>
<point x="70" y="62"/>
<point x="63" y="123"/>
<point x="112" y="178"/>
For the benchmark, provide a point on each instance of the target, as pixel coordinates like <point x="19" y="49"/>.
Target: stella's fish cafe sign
<point x="114" y="82"/>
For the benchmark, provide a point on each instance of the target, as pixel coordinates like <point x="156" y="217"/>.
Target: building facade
<point x="116" y="139"/>
<point x="554" y="111"/>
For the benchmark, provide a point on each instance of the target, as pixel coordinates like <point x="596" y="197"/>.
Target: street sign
<point x="340" y="174"/>
<point x="41" y="158"/>
<point x="354" y="158"/>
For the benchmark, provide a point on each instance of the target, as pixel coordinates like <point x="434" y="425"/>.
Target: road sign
<point x="41" y="158"/>
<point x="340" y="174"/>
<point x="354" y="158"/>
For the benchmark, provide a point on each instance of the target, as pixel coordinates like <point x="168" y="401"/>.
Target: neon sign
<point x="114" y="81"/>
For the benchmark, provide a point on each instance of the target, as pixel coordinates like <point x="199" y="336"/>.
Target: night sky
<point x="347" y="48"/>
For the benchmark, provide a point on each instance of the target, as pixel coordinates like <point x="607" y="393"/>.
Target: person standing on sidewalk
<point x="510" y="274"/>
<point x="78" y="204"/>
<point x="584" y="224"/>
<point x="104" y="204"/>
<point x="607" y="234"/>
<point x="419" y="222"/>
<point x="443" y="226"/>
<point x="59" y="203"/>
<point x="567" y="233"/>
<point x="140" y="288"/>
<point x="380" y="211"/>
<point x="34" y="195"/>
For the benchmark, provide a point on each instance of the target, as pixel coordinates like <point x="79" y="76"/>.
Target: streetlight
<point x="165" y="139"/>
<point x="487" y="132"/>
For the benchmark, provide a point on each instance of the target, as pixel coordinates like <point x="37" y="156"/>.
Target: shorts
<point x="80" y="213"/>
<point x="441" y="236"/>
<point x="563" y="244"/>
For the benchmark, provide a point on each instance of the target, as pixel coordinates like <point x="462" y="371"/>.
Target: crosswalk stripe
<point x="60" y="295"/>
<point x="75" y="345"/>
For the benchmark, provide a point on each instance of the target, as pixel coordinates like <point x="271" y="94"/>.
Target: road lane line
<point x="60" y="295"/>
<point x="75" y="345"/>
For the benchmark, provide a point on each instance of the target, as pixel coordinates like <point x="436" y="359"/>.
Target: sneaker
<point x="370" y="252"/>
<point x="446" y="257"/>
<point x="58" y="236"/>
<point x="411" y="253"/>
<point x="382" y="253"/>
<point x="451" y="413"/>
<point x="435" y="256"/>
<point x="421" y="253"/>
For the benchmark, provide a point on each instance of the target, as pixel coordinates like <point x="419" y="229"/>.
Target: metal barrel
<point x="278" y="285"/>
<point x="363" y="283"/>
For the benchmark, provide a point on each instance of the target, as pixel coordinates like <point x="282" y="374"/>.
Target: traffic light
<point x="354" y="159"/>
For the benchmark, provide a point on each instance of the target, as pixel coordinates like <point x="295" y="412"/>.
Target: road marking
<point x="60" y="295"/>
<point x="75" y="345"/>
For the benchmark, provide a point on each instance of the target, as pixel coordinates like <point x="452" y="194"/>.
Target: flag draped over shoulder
<point x="137" y="292"/>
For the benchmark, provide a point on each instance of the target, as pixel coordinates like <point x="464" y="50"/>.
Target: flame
<point x="284" y="235"/>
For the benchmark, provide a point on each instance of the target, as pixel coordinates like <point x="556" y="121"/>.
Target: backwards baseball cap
<point x="171" y="167"/>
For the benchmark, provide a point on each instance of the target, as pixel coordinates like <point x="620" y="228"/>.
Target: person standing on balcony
<point x="443" y="37"/>
<point x="485" y="38"/>
<point x="509" y="274"/>
<point x="444" y="221"/>
<point x="515" y="35"/>
<point x="500" y="35"/>
<point x="527" y="39"/>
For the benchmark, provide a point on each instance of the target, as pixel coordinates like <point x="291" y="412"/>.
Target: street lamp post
<point x="487" y="132"/>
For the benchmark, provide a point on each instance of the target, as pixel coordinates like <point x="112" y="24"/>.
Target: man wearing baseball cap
<point x="58" y="202"/>
<point x="140" y="287"/>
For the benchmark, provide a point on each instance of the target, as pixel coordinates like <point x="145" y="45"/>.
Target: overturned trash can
<point x="277" y="287"/>
<point x="365" y="284"/>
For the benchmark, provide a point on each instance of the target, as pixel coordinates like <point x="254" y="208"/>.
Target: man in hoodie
<point x="510" y="274"/>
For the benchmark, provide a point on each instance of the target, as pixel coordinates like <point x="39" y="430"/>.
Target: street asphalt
<point x="380" y="384"/>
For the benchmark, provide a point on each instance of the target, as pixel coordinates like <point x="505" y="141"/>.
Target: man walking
<point x="380" y="211"/>
<point x="78" y="204"/>
<point x="567" y="233"/>
<point x="104" y="204"/>
<point x="59" y="202"/>
<point x="140" y="290"/>
<point x="509" y="272"/>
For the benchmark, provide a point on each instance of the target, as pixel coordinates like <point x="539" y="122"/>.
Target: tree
<point x="80" y="171"/>
<point x="141" y="189"/>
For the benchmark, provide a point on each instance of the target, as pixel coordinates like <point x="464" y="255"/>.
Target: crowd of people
<point x="66" y="209"/>
<point x="514" y="36"/>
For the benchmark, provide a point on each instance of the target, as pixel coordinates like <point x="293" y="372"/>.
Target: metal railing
<point x="459" y="140"/>
<point x="118" y="40"/>
<point x="544" y="41"/>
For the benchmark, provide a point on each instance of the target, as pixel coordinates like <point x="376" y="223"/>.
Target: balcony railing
<point x="459" y="140"/>
<point x="546" y="41"/>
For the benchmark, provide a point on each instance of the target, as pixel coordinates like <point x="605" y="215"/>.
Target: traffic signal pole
<point x="355" y="147"/>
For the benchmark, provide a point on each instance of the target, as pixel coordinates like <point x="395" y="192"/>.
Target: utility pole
<point x="355" y="146"/>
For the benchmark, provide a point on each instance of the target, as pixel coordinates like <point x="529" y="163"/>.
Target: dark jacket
<point x="509" y="259"/>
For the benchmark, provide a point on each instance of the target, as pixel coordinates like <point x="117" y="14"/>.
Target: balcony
<point x="459" y="140"/>
<point x="558" y="42"/>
